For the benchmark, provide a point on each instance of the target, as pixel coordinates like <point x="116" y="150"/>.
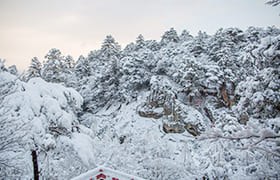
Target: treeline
<point x="247" y="58"/>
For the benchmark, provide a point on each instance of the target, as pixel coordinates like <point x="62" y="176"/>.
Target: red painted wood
<point x="101" y="176"/>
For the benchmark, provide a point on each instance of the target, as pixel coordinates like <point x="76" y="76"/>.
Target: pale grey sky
<point x="30" y="28"/>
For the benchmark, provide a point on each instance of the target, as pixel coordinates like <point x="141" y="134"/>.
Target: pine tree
<point x="67" y="71"/>
<point x="110" y="48"/>
<point x="13" y="70"/>
<point x="68" y="62"/>
<point x="128" y="49"/>
<point x="34" y="69"/>
<point x="82" y="67"/>
<point x="2" y="65"/>
<point x="169" y="36"/>
<point x="53" y="67"/>
<point x="226" y="43"/>
<point x="200" y="44"/>
<point x="140" y="42"/>
<point x="153" y="45"/>
<point x="185" y="36"/>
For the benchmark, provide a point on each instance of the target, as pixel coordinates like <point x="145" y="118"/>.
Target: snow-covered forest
<point x="185" y="107"/>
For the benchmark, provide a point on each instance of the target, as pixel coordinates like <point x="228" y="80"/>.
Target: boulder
<point x="174" y="128"/>
<point x="151" y="113"/>
<point x="192" y="129"/>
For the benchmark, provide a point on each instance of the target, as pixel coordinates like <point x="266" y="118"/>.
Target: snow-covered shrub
<point x="41" y="112"/>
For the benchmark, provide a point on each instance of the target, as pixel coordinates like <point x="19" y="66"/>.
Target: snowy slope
<point x="150" y="153"/>
<point x="186" y="107"/>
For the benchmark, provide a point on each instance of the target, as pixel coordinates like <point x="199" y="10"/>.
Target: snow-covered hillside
<point x="186" y="107"/>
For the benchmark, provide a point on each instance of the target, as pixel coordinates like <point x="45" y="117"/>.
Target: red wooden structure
<point x="106" y="174"/>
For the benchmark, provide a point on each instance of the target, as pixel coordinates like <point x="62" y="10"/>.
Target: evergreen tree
<point x="53" y="67"/>
<point x="200" y="44"/>
<point x="110" y="48"/>
<point x="225" y="46"/>
<point x="82" y="67"/>
<point x="34" y="69"/>
<point x="153" y="45"/>
<point x="135" y="75"/>
<point x="128" y="49"/>
<point x="13" y="70"/>
<point x="140" y="42"/>
<point x="169" y="36"/>
<point x="68" y="62"/>
<point x="185" y="36"/>
<point x="2" y="65"/>
<point x="67" y="71"/>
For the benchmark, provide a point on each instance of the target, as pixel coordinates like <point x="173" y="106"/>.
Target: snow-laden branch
<point x="261" y="136"/>
<point x="246" y="134"/>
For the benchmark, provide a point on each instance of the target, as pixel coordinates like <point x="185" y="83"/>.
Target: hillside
<point x="186" y="107"/>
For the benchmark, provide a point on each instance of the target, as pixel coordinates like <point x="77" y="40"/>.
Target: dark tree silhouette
<point x="273" y="2"/>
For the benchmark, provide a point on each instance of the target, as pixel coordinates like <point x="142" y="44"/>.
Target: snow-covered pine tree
<point x="34" y="69"/>
<point x="67" y="71"/>
<point x="2" y="65"/>
<point x="169" y="36"/>
<point x="185" y="36"/>
<point x="53" y="66"/>
<point x="140" y="42"/>
<point x="13" y="70"/>
<point x="153" y="45"/>
<point x="259" y="94"/>
<point x="110" y="80"/>
<point x="109" y="48"/>
<point x="128" y="49"/>
<point x="103" y="85"/>
<point x="82" y="67"/>
<point x="68" y="63"/>
<point x="200" y="44"/>
<point x="224" y="49"/>
<point x="136" y="75"/>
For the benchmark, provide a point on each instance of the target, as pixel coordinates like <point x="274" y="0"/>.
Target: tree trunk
<point x="35" y="165"/>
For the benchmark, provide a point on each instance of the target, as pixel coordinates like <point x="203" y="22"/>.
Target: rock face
<point x="151" y="113"/>
<point x="227" y="93"/>
<point x="175" y="115"/>
<point x="192" y="129"/>
<point x="175" y="128"/>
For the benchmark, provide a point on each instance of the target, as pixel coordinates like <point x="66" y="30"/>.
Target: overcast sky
<point x="31" y="28"/>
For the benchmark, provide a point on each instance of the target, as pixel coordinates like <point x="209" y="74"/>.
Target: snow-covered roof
<point x="105" y="173"/>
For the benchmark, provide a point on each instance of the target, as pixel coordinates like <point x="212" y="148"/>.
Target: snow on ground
<point x="126" y="142"/>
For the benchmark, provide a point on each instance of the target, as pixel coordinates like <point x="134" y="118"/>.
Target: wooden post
<point x="35" y="165"/>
